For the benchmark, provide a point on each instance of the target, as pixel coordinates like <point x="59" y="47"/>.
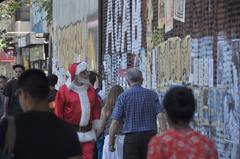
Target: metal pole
<point x="18" y="32"/>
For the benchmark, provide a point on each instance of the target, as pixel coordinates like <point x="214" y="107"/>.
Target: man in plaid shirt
<point x="138" y="108"/>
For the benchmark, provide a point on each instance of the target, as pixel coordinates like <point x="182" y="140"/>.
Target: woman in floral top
<point x="180" y="142"/>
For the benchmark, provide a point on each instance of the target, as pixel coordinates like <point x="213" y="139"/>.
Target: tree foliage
<point x="8" y="8"/>
<point x="47" y="5"/>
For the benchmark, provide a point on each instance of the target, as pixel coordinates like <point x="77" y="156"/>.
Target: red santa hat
<point x="76" y="68"/>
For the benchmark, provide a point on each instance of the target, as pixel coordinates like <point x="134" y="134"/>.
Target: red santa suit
<point x="79" y="105"/>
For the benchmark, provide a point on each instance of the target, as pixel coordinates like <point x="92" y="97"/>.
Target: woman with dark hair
<point x="180" y="142"/>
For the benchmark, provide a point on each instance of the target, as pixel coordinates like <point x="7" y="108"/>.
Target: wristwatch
<point x="111" y="147"/>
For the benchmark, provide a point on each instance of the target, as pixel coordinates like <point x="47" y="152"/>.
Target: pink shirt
<point x="188" y="144"/>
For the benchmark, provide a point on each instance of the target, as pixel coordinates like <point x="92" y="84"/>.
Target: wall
<point x="75" y="34"/>
<point x="38" y="15"/>
<point x="193" y="43"/>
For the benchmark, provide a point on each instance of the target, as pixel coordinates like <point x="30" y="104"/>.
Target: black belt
<point x="86" y="128"/>
<point x="142" y="132"/>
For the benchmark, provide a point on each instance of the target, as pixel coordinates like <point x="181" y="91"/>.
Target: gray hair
<point x="134" y="75"/>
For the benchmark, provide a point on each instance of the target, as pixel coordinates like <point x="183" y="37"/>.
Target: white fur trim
<point x="96" y="124"/>
<point x="102" y="94"/>
<point x="68" y="82"/>
<point x="87" y="136"/>
<point x="81" y="67"/>
<point x="76" y="88"/>
<point x="84" y="102"/>
<point x="85" y="106"/>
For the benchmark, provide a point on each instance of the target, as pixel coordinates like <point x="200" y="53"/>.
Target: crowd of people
<point x="73" y="122"/>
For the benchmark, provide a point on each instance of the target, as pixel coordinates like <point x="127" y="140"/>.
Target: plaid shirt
<point x="138" y="108"/>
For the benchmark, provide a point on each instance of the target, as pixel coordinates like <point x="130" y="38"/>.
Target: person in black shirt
<point x="39" y="133"/>
<point x="52" y="79"/>
<point x="11" y="103"/>
<point x="3" y="81"/>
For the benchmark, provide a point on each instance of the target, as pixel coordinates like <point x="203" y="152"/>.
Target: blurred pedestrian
<point x="181" y="141"/>
<point x="99" y="143"/>
<point x="3" y="81"/>
<point x="78" y="105"/>
<point x="11" y="102"/>
<point x="92" y="77"/>
<point x="52" y="79"/>
<point x="138" y="109"/>
<point x="39" y="133"/>
<point x="115" y="91"/>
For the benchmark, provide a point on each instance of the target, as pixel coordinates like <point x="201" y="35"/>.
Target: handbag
<point x="10" y="137"/>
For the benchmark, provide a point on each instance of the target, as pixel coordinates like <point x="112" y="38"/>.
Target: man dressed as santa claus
<point x="77" y="103"/>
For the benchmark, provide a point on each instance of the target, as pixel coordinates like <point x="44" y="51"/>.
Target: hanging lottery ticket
<point x="185" y="59"/>
<point x="169" y="16"/>
<point x="231" y="118"/>
<point x="179" y="10"/>
<point x="154" y="70"/>
<point x="161" y="13"/>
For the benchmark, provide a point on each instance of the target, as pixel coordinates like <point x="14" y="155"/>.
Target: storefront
<point x="33" y="50"/>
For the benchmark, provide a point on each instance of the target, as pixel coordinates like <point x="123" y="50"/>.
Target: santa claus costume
<point x="80" y="106"/>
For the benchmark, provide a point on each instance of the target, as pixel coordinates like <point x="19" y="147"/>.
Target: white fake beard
<point x="84" y="81"/>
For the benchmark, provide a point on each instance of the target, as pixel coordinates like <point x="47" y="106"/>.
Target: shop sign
<point x="22" y="42"/>
<point x="7" y="56"/>
<point x="37" y="53"/>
